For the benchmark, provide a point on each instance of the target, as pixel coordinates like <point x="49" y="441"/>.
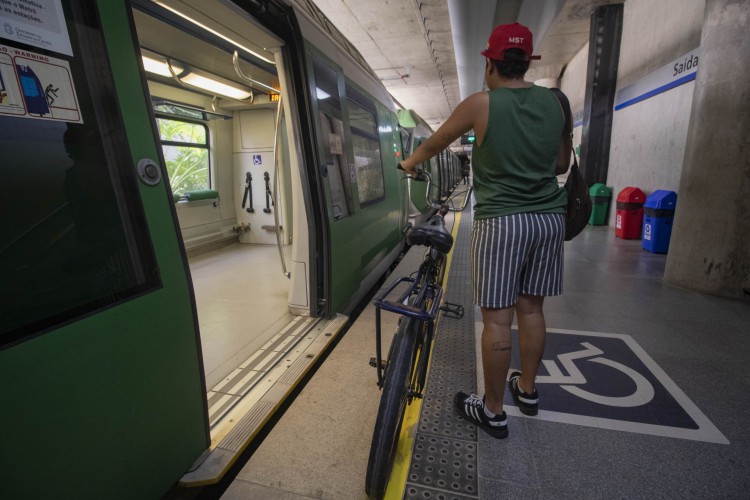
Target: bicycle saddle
<point x="431" y="233"/>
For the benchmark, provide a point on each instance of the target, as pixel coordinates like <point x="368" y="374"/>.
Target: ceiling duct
<point x="472" y="22"/>
<point x="471" y="25"/>
<point x="538" y="16"/>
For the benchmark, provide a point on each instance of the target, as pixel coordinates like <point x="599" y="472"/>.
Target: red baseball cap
<point x="509" y="36"/>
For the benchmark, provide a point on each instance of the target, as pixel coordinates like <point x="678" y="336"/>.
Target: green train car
<point x="196" y="195"/>
<point x="445" y="168"/>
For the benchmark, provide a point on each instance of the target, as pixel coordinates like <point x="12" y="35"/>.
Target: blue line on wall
<point x="656" y="91"/>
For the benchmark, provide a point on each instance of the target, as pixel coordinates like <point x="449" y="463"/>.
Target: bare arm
<point x="457" y="124"/>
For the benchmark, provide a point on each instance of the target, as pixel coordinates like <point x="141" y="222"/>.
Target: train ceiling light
<point x="214" y="86"/>
<point x="159" y="66"/>
<point x="190" y="77"/>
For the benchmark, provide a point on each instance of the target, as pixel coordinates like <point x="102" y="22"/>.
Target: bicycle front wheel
<point x="391" y="409"/>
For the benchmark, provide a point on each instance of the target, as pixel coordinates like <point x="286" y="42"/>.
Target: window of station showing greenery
<point x="185" y="146"/>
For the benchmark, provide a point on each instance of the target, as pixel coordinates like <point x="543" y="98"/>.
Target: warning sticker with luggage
<point x="33" y="85"/>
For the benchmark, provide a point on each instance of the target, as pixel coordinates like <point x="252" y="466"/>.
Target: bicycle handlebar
<point x="424" y="176"/>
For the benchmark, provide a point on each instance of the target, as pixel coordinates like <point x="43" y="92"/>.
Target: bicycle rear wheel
<point x="391" y="409"/>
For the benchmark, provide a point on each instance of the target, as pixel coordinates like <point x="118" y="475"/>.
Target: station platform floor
<point x="644" y="392"/>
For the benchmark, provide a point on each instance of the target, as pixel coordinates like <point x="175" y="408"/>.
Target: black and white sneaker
<point x="527" y="403"/>
<point x="471" y="407"/>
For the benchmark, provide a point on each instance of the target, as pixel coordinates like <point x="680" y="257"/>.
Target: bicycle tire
<point x="391" y="409"/>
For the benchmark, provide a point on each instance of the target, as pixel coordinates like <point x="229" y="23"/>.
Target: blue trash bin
<point x="658" y="216"/>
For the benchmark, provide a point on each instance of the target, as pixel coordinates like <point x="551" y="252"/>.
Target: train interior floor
<point x="643" y="390"/>
<point x="242" y="301"/>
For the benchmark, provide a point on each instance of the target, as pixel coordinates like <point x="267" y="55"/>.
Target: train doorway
<point x="224" y="115"/>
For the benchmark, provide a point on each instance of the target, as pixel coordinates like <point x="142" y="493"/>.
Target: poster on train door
<point x="33" y="85"/>
<point x="40" y="23"/>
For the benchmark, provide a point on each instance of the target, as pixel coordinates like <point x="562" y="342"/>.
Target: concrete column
<point x="710" y="246"/>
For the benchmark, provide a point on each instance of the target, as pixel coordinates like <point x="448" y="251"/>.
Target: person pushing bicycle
<point x="519" y="217"/>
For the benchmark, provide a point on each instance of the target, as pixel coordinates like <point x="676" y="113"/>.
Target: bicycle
<point x="403" y="374"/>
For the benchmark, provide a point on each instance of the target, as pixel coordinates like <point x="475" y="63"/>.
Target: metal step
<point x="243" y="403"/>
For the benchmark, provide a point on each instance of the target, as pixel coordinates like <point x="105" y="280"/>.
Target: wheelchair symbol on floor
<point x="643" y="394"/>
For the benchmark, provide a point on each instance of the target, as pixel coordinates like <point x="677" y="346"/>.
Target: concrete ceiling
<point x="416" y="46"/>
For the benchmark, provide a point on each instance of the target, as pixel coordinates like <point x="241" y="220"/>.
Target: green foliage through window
<point x="185" y="148"/>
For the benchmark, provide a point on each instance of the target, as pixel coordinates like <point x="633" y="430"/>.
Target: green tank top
<point x="514" y="167"/>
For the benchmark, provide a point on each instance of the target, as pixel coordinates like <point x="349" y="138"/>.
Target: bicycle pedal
<point x="374" y="363"/>
<point x="450" y="310"/>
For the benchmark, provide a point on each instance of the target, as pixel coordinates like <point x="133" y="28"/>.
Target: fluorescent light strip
<point x="223" y="37"/>
<point x="214" y="86"/>
<point x="159" y="67"/>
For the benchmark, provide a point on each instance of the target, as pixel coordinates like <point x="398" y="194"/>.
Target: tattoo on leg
<point x="498" y="346"/>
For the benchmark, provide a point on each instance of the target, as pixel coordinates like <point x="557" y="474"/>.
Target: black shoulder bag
<point x="579" y="200"/>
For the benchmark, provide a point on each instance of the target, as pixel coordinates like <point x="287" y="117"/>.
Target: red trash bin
<point x="629" y="221"/>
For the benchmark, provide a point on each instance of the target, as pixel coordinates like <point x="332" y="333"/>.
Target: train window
<point x="185" y="147"/>
<point x="332" y="139"/>
<point x="366" y="145"/>
<point x="426" y="165"/>
<point x="405" y="139"/>
<point x="169" y="109"/>
<point x="74" y="236"/>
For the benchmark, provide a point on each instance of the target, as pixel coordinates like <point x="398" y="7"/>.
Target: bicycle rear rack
<point x="400" y="306"/>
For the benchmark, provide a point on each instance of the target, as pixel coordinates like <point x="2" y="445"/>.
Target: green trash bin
<point x="600" y="196"/>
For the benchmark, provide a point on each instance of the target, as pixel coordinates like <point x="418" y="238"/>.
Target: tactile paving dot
<point x="438" y="418"/>
<point x="414" y="491"/>
<point x="444" y="463"/>
<point x="444" y="457"/>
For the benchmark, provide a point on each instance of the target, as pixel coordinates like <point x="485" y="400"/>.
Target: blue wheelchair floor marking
<point x="607" y="380"/>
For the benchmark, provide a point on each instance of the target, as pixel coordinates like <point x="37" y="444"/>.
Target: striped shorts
<point x="516" y="254"/>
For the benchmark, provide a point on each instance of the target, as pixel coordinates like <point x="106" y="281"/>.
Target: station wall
<point x="649" y="132"/>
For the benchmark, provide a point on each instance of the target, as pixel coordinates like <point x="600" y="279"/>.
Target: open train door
<point x="100" y="358"/>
